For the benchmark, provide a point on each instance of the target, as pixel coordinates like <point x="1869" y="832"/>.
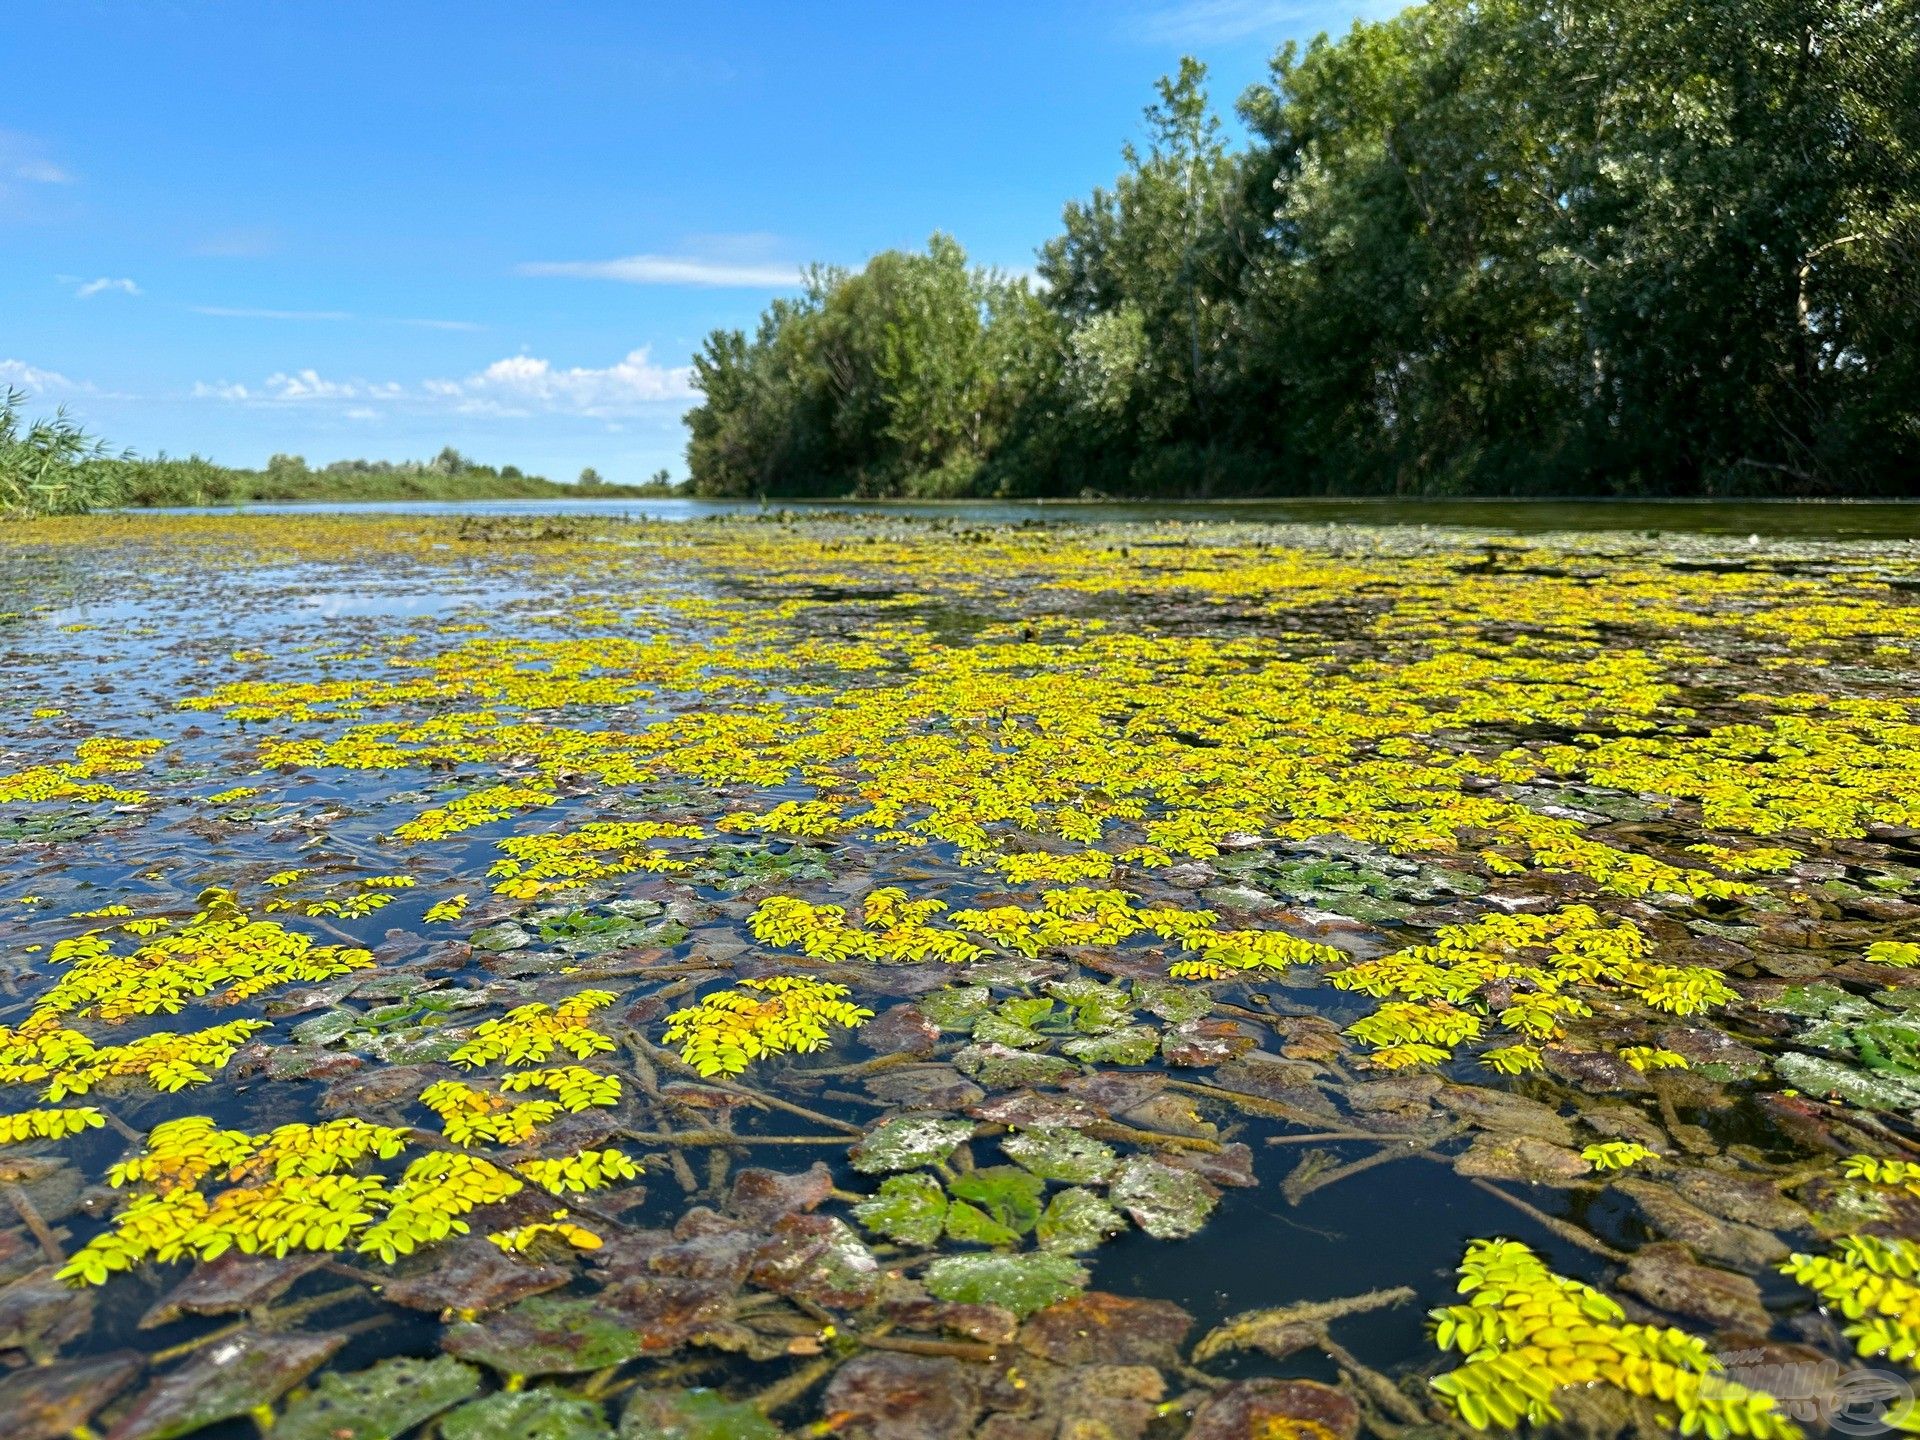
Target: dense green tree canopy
<point x="1621" y="246"/>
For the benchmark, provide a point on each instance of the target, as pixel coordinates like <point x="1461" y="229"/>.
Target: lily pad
<point x="1011" y="1196"/>
<point x="957" y="1006"/>
<point x="1001" y="1066"/>
<point x="1061" y="1155"/>
<point x="377" y="1403"/>
<point x="1168" y="1204"/>
<point x="51" y="1401"/>
<point x="547" y="1335"/>
<point x="693" y="1415"/>
<point x="500" y="938"/>
<point x="527" y="1415"/>
<point x="971" y="1225"/>
<point x="1173" y="1003"/>
<point x="1819" y="1076"/>
<point x="908" y="1142"/>
<point x="1133" y="1045"/>
<point x="224" y="1381"/>
<point x="1020" y="1283"/>
<point x="910" y="1209"/>
<point x="1077" y="1220"/>
<point x="1096" y="1008"/>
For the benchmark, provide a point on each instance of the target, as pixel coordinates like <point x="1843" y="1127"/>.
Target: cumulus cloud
<point x="18" y="375"/>
<point x="673" y="270"/>
<point x="516" y="386"/>
<point x="526" y="383"/>
<point x="104" y="286"/>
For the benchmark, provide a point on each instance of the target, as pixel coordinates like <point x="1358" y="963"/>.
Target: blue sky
<point x="376" y="227"/>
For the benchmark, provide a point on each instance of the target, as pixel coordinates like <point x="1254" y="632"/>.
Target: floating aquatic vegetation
<point x="730" y="1029"/>
<point x="1078" y="876"/>
<point x="1875" y="1284"/>
<point x="1526" y="1333"/>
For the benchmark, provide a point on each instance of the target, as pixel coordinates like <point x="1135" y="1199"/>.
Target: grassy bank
<point x="165" y="482"/>
<point x="51" y="466"/>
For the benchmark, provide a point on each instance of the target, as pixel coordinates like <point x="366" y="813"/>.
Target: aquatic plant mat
<point x="544" y="979"/>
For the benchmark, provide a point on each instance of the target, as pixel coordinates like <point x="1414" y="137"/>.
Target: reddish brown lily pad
<point x="230" y="1284"/>
<point x="48" y="1402"/>
<point x="39" y="1314"/>
<point x="1275" y="1407"/>
<point x="765" y="1195"/>
<point x="470" y="1278"/>
<point x="1102" y="1329"/>
<point x="882" y="1396"/>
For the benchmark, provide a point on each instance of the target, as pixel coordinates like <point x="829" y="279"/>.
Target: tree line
<point x="1608" y="247"/>
<point x="52" y="466"/>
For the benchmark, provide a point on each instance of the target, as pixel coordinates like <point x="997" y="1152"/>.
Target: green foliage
<point x="1527" y="1332"/>
<point x="1635" y="246"/>
<point x="48" y="466"/>
<point x="1875" y="1284"/>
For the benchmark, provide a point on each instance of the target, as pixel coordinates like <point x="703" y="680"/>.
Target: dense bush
<point x="1622" y="246"/>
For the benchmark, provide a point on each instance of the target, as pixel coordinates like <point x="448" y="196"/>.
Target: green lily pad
<point x="997" y="1027"/>
<point x="527" y="1415"/>
<point x="1002" y="1067"/>
<point x="910" y="1209"/>
<point x="1061" y="1155"/>
<point x="1077" y="1220"/>
<point x="1011" y="1196"/>
<point x="1168" y="1204"/>
<point x="546" y="1335"/>
<point x="1821" y="1077"/>
<point x="499" y="938"/>
<point x="693" y="1415"/>
<point x="1096" y="1008"/>
<point x="377" y="1403"/>
<point x="1175" y="1004"/>
<point x="1020" y="1283"/>
<point x="957" y="1006"/>
<point x="971" y="1225"/>
<point x="1133" y="1045"/>
<point x="908" y="1142"/>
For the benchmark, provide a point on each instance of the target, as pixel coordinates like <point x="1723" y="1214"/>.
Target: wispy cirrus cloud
<point x="30" y="178"/>
<point x="517" y="386"/>
<point x="1214" y="22"/>
<point x="25" y="159"/>
<point x="715" y="272"/>
<point x="248" y="312"/>
<point x="105" y="286"/>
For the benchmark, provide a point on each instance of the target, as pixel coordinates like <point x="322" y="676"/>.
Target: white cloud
<point x="41" y="172"/>
<point x="519" y="385"/>
<point x="24" y="158"/>
<point x="104" y="286"/>
<point x="234" y="312"/>
<point x="673" y="270"/>
<point x="1213" y="22"/>
<point x="528" y="382"/>
<point x="18" y="375"/>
